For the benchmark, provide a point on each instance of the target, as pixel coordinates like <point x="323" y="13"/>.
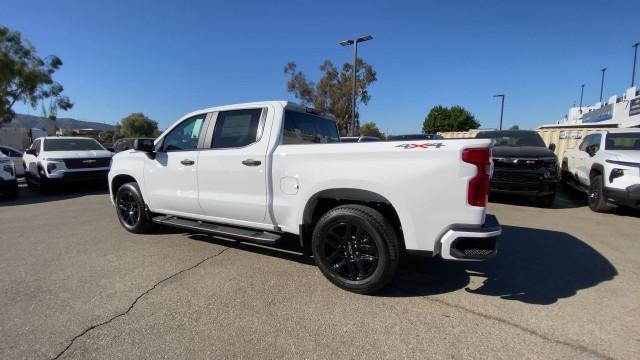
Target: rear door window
<point x="236" y="128"/>
<point x="305" y="128"/>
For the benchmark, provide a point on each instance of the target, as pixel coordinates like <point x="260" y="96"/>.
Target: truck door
<point x="171" y="177"/>
<point x="232" y="171"/>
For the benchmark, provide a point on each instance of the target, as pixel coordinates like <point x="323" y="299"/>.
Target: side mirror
<point x="552" y="147"/>
<point x="111" y="149"/>
<point x="31" y="152"/>
<point x="590" y="150"/>
<point x="144" y="145"/>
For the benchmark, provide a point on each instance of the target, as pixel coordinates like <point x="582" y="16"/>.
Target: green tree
<point x="137" y="125"/>
<point x="514" y="127"/>
<point x="333" y="92"/>
<point x="442" y="119"/>
<point x="106" y="137"/>
<point x="371" y="129"/>
<point x="70" y="132"/>
<point x="27" y="78"/>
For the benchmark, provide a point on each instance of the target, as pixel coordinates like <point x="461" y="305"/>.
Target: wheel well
<point x="595" y="170"/>
<point x="119" y="181"/>
<point x="322" y="202"/>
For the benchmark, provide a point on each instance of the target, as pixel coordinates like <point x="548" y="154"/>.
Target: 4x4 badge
<point x="424" y="146"/>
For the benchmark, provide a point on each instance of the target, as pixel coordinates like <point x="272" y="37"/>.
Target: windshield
<point x="71" y="144"/>
<point x="623" y="141"/>
<point x="513" y="138"/>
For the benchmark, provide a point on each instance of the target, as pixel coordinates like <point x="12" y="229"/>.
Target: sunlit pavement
<point x="565" y="284"/>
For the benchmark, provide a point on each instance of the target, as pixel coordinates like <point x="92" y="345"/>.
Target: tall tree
<point x="515" y="127"/>
<point x="371" y="129"/>
<point x="442" y="119"/>
<point x="27" y="78"/>
<point x="138" y="125"/>
<point x="333" y="92"/>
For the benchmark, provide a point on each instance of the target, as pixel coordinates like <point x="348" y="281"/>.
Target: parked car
<point x="16" y="157"/>
<point x="126" y="144"/>
<point x="352" y="139"/>
<point x="414" y="137"/>
<point x="58" y="160"/>
<point x="257" y="171"/>
<point x="8" y="182"/>
<point x="606" y="166"/>
<point x="523" y="165"/>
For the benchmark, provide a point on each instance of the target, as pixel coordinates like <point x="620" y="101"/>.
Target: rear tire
<point x="597" y="200"/>
<point x="356" y="248"/>
<point x="131" y="209"/>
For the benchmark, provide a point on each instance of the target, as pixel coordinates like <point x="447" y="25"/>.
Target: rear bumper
<point x="463" y="243"/>
<point x="629" y="197"/>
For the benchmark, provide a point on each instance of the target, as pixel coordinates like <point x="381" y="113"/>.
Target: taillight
<point x="478" y="191"/>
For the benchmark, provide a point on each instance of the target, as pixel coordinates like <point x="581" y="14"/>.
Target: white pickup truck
<point x="606" y="165"/>
<point x="255" y="172"/>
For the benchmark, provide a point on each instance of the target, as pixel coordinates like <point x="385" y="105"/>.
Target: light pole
<point x="354" y="42"/>
<point x="501" y="108"/>
<point x="602" y="83"/>
<point x="581" y="94"/>
<point x="635" y="54"/>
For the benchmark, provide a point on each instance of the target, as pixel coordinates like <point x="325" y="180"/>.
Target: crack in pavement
<point x="510" y="323"/>
<point x="135" y="302"/>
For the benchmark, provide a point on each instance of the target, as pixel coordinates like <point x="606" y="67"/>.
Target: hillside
<point x="31" y="121"/>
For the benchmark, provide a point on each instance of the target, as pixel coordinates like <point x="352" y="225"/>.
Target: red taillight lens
<point x="478" y="191"/>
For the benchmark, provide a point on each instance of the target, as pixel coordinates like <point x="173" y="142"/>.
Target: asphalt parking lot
<point x="565" y="284"/>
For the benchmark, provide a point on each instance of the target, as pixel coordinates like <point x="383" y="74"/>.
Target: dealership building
<point x="617" y="112"/>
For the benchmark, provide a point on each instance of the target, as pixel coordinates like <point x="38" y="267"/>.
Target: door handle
<point x="187" y="162"/>
<point x="251" y="162"/>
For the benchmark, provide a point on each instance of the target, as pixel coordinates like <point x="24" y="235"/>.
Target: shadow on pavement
<point x="565" y="199"/>
<point x="34" y="195"/>
<point x="532" y="266"/>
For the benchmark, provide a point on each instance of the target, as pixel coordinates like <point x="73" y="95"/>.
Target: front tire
<point x="597" y="200"/>
<point x="356" y="248"/>
<point x="131" y="209"/>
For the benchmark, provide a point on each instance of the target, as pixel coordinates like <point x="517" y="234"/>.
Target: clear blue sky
<point x="167" y="58"/>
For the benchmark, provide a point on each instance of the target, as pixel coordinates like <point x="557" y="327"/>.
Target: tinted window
<point x="236" y="128"/>
<point x="4" y="151"/>
<point x="123" y="144"/>
<point x="348" y="139"/>
<point x="513" y="138"/>
<point x="184" y="136"/>
<point x="623" y="141"/>
<point x="71" y="145"/>
<point x="414" y="137"/>
<point x="304" y="128"/>
<point x="36" y="146"/>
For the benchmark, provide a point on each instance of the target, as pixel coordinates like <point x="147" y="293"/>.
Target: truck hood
<point x="78" y="154"/>
<point x="522" y="151"/>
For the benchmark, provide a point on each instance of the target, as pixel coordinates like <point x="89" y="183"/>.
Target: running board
<point x="256" y="236"/>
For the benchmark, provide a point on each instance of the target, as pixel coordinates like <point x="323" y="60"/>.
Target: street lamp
<point x="501" y="108"/>
<point x="354" y="42"/>
<point x="581" y="93"/>
<point x="635" y="54"/>
<point x="602" y="83"/>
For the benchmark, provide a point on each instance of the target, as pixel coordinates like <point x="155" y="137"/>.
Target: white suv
<point x="606" y="165"/>
<point x="54" y="160"/>
<point x="8" y="183"/>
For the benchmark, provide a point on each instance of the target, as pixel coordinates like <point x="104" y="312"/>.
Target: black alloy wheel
<point x="131" y="209"/>
<point x="128" y="208"/>
<point x="356" y="248"/>
<point x="350" y="252"/>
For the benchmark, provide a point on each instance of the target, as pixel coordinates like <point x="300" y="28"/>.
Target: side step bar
<point x="256" y="236"/>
